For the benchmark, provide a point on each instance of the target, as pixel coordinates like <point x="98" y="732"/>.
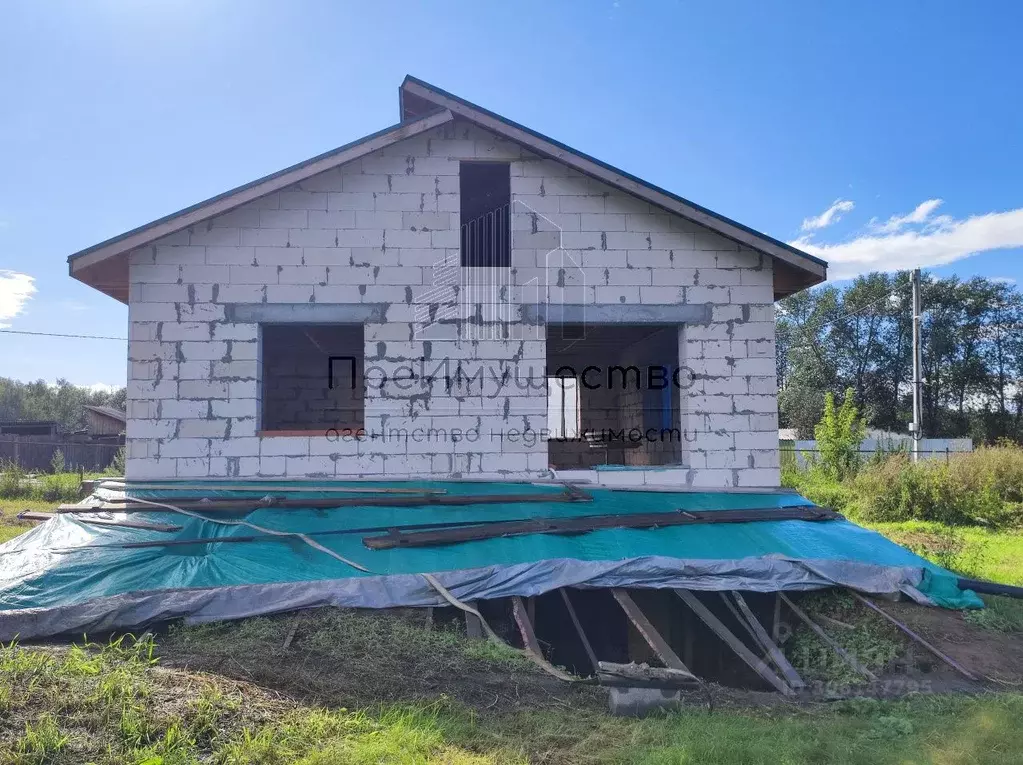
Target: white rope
<point x="540" y="661"/>
<point x="273" y="532"/>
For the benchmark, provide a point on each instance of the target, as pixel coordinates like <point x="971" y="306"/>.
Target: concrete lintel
<point x="616" y="314"/>
<point x="306" y="313"/>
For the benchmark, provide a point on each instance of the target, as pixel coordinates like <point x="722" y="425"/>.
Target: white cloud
<point x="1004" y="279"/>
<point x="832" y="215"/>
<point x="15" y="290"/>
<point x="938" y="241"/>
<point x="102" y="388"/>
<point x="921" y="213"/>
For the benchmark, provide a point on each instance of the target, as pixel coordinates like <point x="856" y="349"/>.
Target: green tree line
<point x="61" y="402"/>
<point x="860" y="337"/>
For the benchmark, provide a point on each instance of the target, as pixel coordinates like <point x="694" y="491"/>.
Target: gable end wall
<point x="383" y="232"/>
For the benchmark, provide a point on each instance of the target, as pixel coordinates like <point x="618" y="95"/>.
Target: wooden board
<point x="648" y="632"/>
<point x="585" y="523"/>
<point x="744" y="653"/>
<point x="236" y="505"/>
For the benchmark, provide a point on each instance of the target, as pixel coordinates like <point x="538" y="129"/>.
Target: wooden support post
<point x="744" y="653"/>
<point x="784" y="666"/>
<point x="776" y="622"/>
<point x="688" y="638"/>
<point x="473" y="626"/>
<point x="742" y="622"/>
<point x="652" y="637"/>
<point x="818" y="630"/>
<point x="521" y="614"/>
<point x="579" y="630"/>
<point x="912" y="635"/>
<point x="291" y="633"/>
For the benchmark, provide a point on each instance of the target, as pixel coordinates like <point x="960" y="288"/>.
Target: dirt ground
<point x="995" y="657"/>
<point x="355" y="659"/>
<point x="360" y="659"/>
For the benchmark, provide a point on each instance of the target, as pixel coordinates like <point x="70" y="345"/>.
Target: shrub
<point x="116" y="466"/>
<point x="59" y="487"/>
<point x="984" y="487"/>
<point x="12" y="481"/>
<point x="57" y="464"/>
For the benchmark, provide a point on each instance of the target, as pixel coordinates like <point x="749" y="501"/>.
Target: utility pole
<point x="916" y="429"/>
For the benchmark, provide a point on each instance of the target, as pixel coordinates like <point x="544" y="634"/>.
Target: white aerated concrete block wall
<point x="384" y="230"/>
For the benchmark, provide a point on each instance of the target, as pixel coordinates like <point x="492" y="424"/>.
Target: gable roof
<point x="423" y="107"/>
<point x="416" y="97"/>
<point x="108" y="411"/>
<point x="105" y="266"/>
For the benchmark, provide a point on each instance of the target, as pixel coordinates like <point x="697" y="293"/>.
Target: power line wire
<point x="59" y="334"/>
<point x="816" y="328"/>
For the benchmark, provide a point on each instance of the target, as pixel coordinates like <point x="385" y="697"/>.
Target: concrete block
<point x="202" y="428"/>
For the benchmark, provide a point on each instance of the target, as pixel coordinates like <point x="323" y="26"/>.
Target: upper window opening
<point x="485" y="189"/>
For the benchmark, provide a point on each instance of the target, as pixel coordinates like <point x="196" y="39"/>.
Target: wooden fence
<point x="35" y="453"/>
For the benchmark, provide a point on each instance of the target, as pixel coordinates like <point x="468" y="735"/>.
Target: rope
<point x="541" y="662"/>
<point x="273" y="532"/>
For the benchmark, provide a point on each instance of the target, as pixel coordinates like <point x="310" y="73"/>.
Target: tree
<point x="62" y="402"/>
<point x="839" y="435"/>
<point x="830" y="339"/>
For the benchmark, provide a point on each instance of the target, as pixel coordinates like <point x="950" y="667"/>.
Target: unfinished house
<point x="461" y="367"/>
<point x="454" y="296"/>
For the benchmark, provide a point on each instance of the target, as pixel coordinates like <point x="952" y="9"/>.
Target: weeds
<point x="873" y="642"/>
<point x="41" y="742"/>
<point x="980" y="488"/>
<point x="1000" y="615"/>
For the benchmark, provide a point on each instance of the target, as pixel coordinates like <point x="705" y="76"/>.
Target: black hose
<point x="991" y="588"/>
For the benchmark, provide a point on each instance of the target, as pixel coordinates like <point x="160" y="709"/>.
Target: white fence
<point x="930" y="448"/>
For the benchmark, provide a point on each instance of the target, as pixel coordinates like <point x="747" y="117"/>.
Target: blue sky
<point x="117" y="112"/>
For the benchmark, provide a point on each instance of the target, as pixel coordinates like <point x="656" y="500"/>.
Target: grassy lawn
<point x="973" y="551"/>
<point x="114" y="704"/>
<point x="10" y="526"/>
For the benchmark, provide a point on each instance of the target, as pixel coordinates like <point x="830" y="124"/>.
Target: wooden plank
<point x="652" y="637"/>
<point x="291" y="633"/>
<point x="642" y="676"/>
<point x="912" y="635"/>
<point x="218" y="505"/>
<point x="585" y="523"/>
<point x="741" y="621"/>
<point x="784" y="666"/>
<point x="818" y="630"/>
<point x="30" y="515"/>
<point x="525" y="626"/>
<point x="579" y="629"/>
<point x="265" y="487"/>
<point x="744" y="653"/>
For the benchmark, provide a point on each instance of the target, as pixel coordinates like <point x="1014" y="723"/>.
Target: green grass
<point x="874" y="642"/>
<point x="975" y="552"/>
<point x="112" y="704"/>
<point x="10" y="526"/>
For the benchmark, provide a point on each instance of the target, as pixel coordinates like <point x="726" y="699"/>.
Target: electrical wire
<point x="817" y="327"/>
<point x="60" y="334"/>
